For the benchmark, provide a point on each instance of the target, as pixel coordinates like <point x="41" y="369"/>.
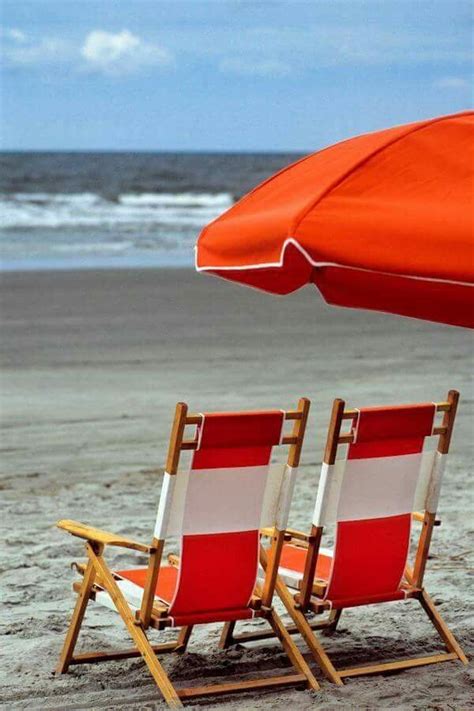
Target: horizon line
<point x="159" y="150"/>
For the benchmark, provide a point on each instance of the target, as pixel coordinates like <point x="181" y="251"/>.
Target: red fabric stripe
<point x="369" y="558"/>
<point x="218" y="572"/>
<point x="385" y="448"/>
<point x="237" y="439"/>
<point x="231" y="457"/>
<point x="392" y="431"/>
<point x="236" y="429"/>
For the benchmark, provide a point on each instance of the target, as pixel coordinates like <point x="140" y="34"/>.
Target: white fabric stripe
<point x="224" y="500"/>
<point x="278" y="496"/>
<point x="329" y="489"/>
<point x="430" y="480"/>
<point x="314" y="263"/>
<point x="376" y="487"/>
<point x="131" y="592"/>
<point x="164" y="507"/>
<point x="104" y="599"/>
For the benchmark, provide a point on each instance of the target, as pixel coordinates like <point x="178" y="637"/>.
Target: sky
<point x="226" y="75"/>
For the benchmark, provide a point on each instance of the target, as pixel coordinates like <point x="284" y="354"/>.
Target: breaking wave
<point x="59" y="210"/>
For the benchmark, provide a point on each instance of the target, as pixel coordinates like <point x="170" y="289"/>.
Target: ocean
<point x="102" y="210"/>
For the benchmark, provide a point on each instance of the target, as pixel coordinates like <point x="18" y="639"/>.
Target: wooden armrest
<point x="95" y="534"/>
<point x="289" y="534"/>
<point x="298" y="535"/>
<point x="420" y="517"/>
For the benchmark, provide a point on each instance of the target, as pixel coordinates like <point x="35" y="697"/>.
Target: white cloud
<point x="109" y="53"/>
<point x="452" y="83"/>
<point x="121" y="53"/>
<point x="20" y="50"/>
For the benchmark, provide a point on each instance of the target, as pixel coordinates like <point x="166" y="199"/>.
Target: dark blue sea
<point x="99" y="210"/>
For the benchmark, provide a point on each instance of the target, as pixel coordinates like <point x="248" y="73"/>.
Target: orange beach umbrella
<point x="383" y="221"/>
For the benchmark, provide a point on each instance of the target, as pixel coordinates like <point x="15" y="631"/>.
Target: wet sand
<point x="93" y="364"/>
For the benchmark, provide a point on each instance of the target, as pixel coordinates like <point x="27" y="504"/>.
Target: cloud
<point x="121" y="53"/>
<point x="452" y="83"/>
<point x="112" y="54"/>
<point x="20" y="50"/>
<point x="14" y="34"/>
<point x="256" y="67"/>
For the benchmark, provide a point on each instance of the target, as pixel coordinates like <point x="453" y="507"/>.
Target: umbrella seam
<point x="244" y="198"/>
<point x="419" y="126"/>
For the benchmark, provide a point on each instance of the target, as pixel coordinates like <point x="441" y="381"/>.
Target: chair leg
<point x="303" y="626"/>
<point x="441" y="627"/>
<point x="76" y="621"/>
<point x="183" y="639"/>
<point x="292" y="650"/>
<point x="137" y="633"/>
<point x="333" y="619"/>
<point x="227" y="635"/>
<point x="307" y="633"/>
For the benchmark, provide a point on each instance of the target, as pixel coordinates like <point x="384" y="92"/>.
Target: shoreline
<point x="81" y="266"/>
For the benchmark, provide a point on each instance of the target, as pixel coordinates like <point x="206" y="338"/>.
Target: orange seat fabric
<point x="294" y="558"/>
<point x="167" y="580"/>
<point x="165" y="590"/>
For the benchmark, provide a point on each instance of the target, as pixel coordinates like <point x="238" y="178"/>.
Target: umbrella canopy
<point x="383" y="221"/>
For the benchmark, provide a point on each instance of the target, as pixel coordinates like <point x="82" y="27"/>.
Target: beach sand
<point x="93" y="364"/>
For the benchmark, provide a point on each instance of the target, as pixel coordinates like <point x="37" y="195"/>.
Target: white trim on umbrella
<point x="313" y="263"/>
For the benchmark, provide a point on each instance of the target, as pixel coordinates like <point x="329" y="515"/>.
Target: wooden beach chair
<point x="216" y="507"/>
<point x="370" y="493"/>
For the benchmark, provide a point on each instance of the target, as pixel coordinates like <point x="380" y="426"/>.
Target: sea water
<point x="102" y="210"/>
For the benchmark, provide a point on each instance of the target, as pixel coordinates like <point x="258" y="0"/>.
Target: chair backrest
<point x="370" y="495"/>
<point x="217" y="506"/>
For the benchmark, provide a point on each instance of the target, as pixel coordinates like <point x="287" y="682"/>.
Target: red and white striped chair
<point x="216" y="507"/>
<point x="369" y="494"/>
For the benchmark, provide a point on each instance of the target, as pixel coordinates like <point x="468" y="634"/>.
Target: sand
<point x="93" y="364"/>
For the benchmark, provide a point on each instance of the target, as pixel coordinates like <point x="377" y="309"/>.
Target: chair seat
<point x="292" y="562"/>
<point x="291" y="570"/>
<point x="132" y="583"/>
<point x="166" y="585"/>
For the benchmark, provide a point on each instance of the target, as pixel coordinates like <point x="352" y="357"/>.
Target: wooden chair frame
<point x="98" y="577"/>
<point x="308" y="599"/>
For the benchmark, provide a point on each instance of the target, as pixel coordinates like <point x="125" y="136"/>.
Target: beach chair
<point x="215" y="507"/>
<point x="386" y="479"/>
